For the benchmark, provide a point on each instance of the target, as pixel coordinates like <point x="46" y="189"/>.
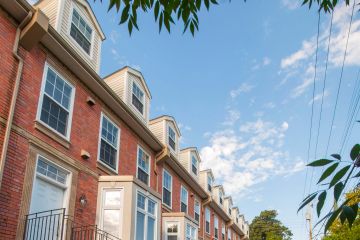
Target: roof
<point x="208" y="171"/>
<point x="166" y="118"/>
<point x="136" y="73"/>
<point x="229" y="198"/>
<point x="192" y="149"/>
<point x="221" y="187"/>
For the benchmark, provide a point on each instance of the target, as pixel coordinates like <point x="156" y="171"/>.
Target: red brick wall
<point x="84" y="132"/>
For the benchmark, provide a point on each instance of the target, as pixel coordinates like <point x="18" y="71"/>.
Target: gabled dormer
<point x="129" y="84"/>
<point x="190" y="159"/>
<point x="207" y="180"/>
<point x="228" y="203"/>
<point x="218" y="195"/>
<point x="167" y="131"/>
<point x="242" y="222"/>
<point x="75" y="21"/>
<point x="235" y="214"/>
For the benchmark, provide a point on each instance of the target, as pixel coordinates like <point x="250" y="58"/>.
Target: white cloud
<point x="319" y="96"/>
<point x="114" y="36"/>
<point x="250" y="155"/>
<point x="266" y="61"/>
<point x="232" y="117"/>
<point x="306" y="51"/>
<point x="270" y="105"/>
<point x="306" y="82"/>
<point x="290" y="4"/>
<point x="244" y="87"/>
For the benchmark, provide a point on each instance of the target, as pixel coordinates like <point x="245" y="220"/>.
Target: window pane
<point x="141" y="201"/>
<point x="167" y="197"/>
<point x="151" y="229"/>
<point x="140" y="226"/>
<point x="111" y="221"/>
<point x="151" y="207"/>
<point x="143" y="176"/>
<point x="108" y="154"/>
<point x="81" y="32"/>
<point x="112" y="198"/>
<point x="183" y="207"/>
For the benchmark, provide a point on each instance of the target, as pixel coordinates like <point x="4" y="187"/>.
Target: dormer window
<point x="230" y="210"/>
<point x="138" y="98"/>
<point x="194" y="165"/>
<point x="80" y="31"/>
<point x="172" y="138"/>
<point x="209" y="183"/>
<point x="221" y="198"/>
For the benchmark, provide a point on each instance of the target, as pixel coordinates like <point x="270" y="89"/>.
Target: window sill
<point x="167" y="207"/>
<point x="105" y="168"/>
<point x="50" y="133"/>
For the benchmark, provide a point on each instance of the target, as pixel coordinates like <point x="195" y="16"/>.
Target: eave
<point x="65" y="53"/>
<point x="236" y="228"/>
<point x="218" y="209"/>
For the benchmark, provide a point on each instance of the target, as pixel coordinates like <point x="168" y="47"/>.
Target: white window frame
<point x="66" y="186"/>
<point x="120" y="207"/>
<point x="90" y="54"/>
<point x="142" y="101"/>
<point x="167" y="234"/>
<point x="137" y="164"/>
<point x="47" y="66"/>
<point x="156" y="216"/>
<point x="196" y="165"/>
<point x="216" y="227"/>
<point x="197" y="201"/>
<point x="192" y="228"/>
<point x="168" y="136"/>
<point x="207" y="210"/>
<point x="170" y="190"/>
<point x="187" y="198"/>
<point x="102" y="115"/>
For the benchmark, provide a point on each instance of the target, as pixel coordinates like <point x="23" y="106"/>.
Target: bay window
<point x="172" y="231"/>
<point x="146" y="218"/>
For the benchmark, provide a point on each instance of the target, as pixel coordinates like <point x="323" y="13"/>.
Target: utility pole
<point x="308" y="217"/>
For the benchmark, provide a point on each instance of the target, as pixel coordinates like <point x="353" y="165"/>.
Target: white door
<point x="46" y="196"/>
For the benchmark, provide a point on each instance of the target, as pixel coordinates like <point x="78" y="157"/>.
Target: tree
<point x="340" y="231"/>
<point x="341" y="171"/>
<point x="166" y="12"/>
<point x="266" y="226"/>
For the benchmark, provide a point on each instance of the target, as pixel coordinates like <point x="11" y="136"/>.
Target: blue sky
<point x="241" y="91"/>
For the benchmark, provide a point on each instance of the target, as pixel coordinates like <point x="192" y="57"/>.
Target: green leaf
<point x="192" y="29"/>
<point x="339" y="187"/>
<point x="337" y="156"/>
<point x="160" y="21"/>
<point x="338" y="176"/>
<point x="331" y="219"/>
<point x="350" y="214"/>
<point x="328" y="172"/>
<point x="357" y="175"/>
<point x="207" y="5"/>
<point x="342" y="217"/>
<point x="320" y="204"/>
<point x="355" y="152"/>
<point x="130" y="27"/>
<point x="320" y="162"/>
<point x="307" y="200"/>
<point x="156" y="10"/>
<point x="125" y="14"/>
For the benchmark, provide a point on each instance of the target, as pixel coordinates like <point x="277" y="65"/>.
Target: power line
<point x="340" y="81"/>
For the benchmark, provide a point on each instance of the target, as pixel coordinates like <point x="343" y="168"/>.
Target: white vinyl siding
<point x="56" y="102"/>
<point x="184" y="200"/>
<point x="109" y="138"/>
<point x="167" y="189"/>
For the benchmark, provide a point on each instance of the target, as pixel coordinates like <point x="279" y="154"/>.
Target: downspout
<point x="14" y="96"/>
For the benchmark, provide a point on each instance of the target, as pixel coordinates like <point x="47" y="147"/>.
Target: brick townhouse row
<point x="80" y="157"/>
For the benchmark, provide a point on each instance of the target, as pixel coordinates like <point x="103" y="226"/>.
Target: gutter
<point x="14" y="96"/>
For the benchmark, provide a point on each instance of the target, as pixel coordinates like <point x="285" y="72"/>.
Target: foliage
<point x="339" y="171"/>
<point x="166" y="12"/>
<point x="340" y="231"/>
<point x="267" y="225"/>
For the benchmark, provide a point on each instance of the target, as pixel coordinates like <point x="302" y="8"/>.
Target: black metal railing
<point x="91" y="232"/>
<point x="55" y="225"/>
<point x="45" y="225"/>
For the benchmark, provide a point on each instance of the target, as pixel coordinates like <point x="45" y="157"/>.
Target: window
<point x="221" y="197"/>
<point x="184" y="199"/>
<point x="222" y="231"/>
<point x="172" y="230"/>
<point x="138" y="98"/>
<point x="229" y="234"/>
<point x="51" y="171"/>
<point x="111" y="211"/>
<point x="146" y="218"/>
<point x="109" y="143"/>
<point x="80" y="31"/>
<point x="209" y="183"/>
<point x="167" y="188"/>
<point x="172" y="138"/>
<point x="216" y="228"/>
<point x="56" y="102"/>
<point x="143" y="163"/>
<point x="237" y="220"/>
<point x="197" y="211"/>
<point x="207" y="220"/>
<point x="194" y="165"/>
<point x="230" y="210"/>
<point x="190" y="232"/>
